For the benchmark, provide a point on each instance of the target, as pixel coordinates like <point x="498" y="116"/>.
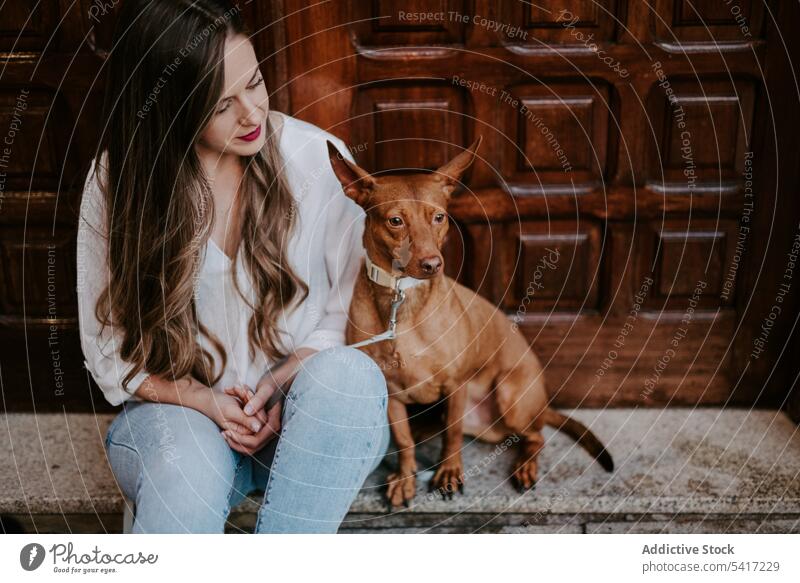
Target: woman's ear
<point x="356" y="182"/>
<point x="450" y="174"/>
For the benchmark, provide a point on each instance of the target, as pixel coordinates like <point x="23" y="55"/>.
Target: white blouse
<point x="325" y="251"/>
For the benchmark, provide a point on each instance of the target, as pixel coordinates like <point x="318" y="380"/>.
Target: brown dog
<point x="452" y="345"/>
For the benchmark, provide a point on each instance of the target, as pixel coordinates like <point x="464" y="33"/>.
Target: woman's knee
<point x="160" y="428"/>
<point x="171" y="449"/>
<point x="193" y="488"/>
<point x="342" y="377"/>
<point x="356" y="372"/>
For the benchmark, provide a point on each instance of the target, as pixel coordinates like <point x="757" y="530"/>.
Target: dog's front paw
<point x="448" y="478"/>
<point x="524" y="476"/>
<point x="402" y="486"/>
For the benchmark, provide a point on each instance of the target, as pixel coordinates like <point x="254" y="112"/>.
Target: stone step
<point x="677" y="470"/>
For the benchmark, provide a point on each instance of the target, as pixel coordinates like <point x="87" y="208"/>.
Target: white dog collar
<point x="386" y="279"/>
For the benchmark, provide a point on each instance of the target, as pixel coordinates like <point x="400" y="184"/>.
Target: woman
<point x="215" y="242"/>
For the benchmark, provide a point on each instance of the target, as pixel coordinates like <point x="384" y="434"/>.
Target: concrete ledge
<point x="677" y="470"/>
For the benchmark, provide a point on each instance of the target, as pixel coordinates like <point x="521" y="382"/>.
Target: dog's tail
<point x="585" y="438"/>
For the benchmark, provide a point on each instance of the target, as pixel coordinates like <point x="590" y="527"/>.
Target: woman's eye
<point x="223" y="108"/>
<point x="438" y="218"/>
<point x="395" y="221"/>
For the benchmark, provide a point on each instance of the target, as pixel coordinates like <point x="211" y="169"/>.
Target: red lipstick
<point x="252" y="135"/>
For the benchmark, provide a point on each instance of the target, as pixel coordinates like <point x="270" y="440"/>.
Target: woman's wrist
<point x="292" y="360"/>
<point x="193" y="394"/>
<point x="275" y="382"/>
<point x="187" y="391"/>
<point x="295" y="362"/>
<point x="302" y="354"/>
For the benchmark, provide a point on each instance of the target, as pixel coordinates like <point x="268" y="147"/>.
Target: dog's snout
<point x="431" y="265"/>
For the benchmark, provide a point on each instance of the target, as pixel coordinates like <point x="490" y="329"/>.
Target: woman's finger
<point x="260" y="398"/>
<point x="236" y="415"/>
<point x="232" y="393"/>
<point x="233" y="438"/>
<point x="261" y="414"/>
<point x="235" y="446"/>
<point x="278" y="379"/>
<point x="243" y="440"/>
<point x="239" y="391"/>
<point x="233" y="426"/>
<point x="256" y="441"/>
<point x="243" y="393"/>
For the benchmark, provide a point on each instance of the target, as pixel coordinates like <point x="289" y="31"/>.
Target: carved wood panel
<point x="708" y="21"/>
<point x="557" y="135"/>
<point x="410" y="126"/>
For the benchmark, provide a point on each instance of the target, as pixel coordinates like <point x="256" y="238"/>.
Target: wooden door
<point x="626" y="209"/>
<point x="633" y="207"/>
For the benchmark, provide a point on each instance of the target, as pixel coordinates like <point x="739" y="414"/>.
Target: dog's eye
<point x="395" y="221"/>
<point x="438" y="218"/>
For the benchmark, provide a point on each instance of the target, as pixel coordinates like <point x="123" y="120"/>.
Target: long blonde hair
<point x="160" y="210"/>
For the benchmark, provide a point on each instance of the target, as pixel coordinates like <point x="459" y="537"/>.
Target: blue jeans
<point x="174" y="463"/>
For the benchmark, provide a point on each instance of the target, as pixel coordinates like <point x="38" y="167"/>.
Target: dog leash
<point x="399" y="285"/>
<point x="389" y="334"/>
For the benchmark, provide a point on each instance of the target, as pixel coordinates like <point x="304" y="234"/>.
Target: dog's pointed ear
<point x="356" y="182"/>
<point x="450" y="174"/>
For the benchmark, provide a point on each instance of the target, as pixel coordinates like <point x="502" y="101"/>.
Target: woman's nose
<point x="252" y="114"/>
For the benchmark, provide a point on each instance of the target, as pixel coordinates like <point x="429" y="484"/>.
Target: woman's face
<point x="237" y="125"/>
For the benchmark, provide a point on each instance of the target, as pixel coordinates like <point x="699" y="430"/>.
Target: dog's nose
<point x="431" y="265"/>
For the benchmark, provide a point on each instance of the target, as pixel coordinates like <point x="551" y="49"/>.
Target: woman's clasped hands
<point x="249" y="419"/>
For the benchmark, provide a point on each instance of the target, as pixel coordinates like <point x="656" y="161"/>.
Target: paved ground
<point x="677" y="470"/>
